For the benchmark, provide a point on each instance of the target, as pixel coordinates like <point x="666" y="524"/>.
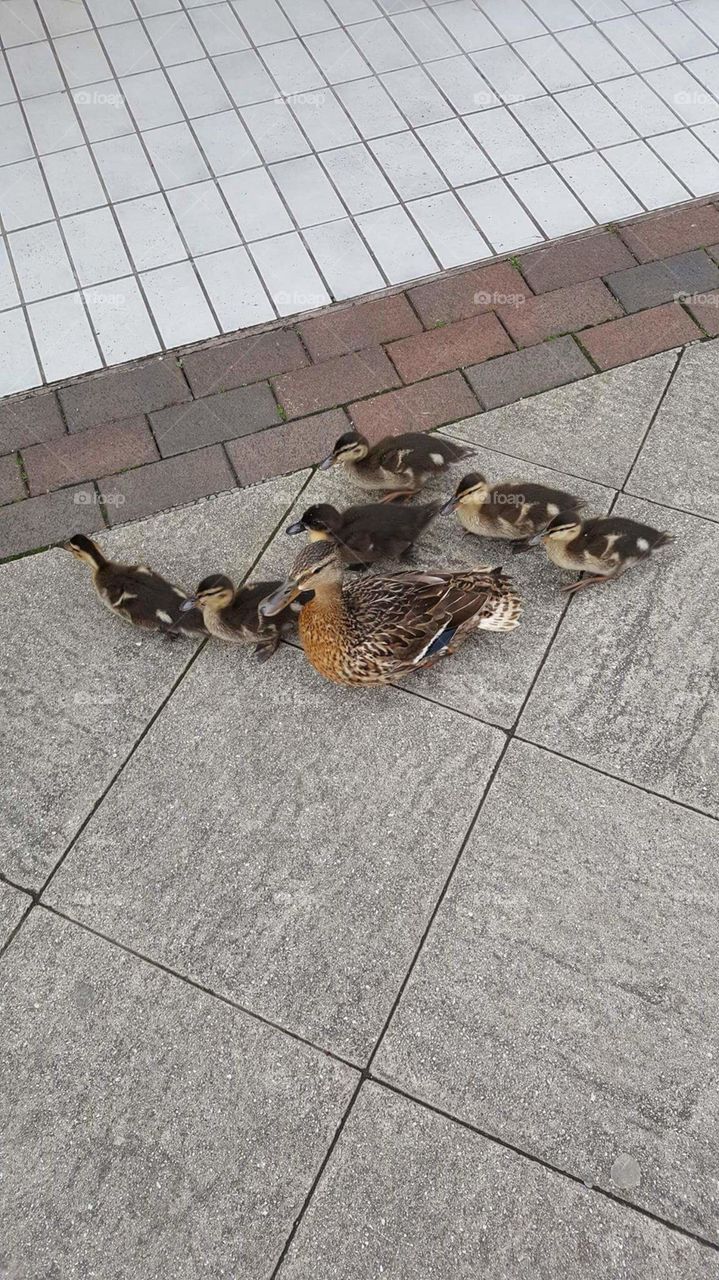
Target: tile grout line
<point x="497" y="1140"/>
<point x="37" y="893"/>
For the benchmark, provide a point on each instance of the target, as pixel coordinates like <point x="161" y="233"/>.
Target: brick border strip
<point x="140" y="438"/>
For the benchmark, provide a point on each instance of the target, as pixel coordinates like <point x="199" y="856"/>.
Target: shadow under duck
<point x="230" y="613"/>
<point x="380" y="628"/>
<point x="511" y="509"/>
<point x="366" y="533"/>
<point x="399" y="464"/>
<point x="603" y="546"/>
<point x="136" y="593"/>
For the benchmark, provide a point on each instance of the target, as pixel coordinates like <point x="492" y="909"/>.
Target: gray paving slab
<point x="87" y="685"/>
<point x="409" y="1194"/>
<point x="287" y="840"/>
<point x="566" y="999"/>
<point x="679" y="462"/>
<point x="13" y="904"/>
<point x="490" y="676"/>
<point x="159" y="1132"/>
<point x="591" y="428"/>
<point x="630" y="683"/>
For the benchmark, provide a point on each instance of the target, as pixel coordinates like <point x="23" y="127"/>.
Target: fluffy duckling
<point x="382" y="627"/>
<point x="366" y="533"/>
<point x="231" y="614"/>
<point x="137" y="593"/>
<point x="507" y="510"/>
<point x="399" y="464"/>
<point x="604" y="546"/>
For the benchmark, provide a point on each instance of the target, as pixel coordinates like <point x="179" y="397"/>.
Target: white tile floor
<point x="172" y="169"/>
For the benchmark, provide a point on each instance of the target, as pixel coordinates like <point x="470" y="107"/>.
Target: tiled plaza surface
<point x="325" y="984"/>
<point x="175" y="169"/>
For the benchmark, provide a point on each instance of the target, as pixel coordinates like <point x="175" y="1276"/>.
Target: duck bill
<point x="188" y="604"/>
<point x="450" y="505"/>
<point x="296" y="527"/>
<point x="535" y="539"/>
<point x="326" y="463"/>
<point x="279" y="599"/>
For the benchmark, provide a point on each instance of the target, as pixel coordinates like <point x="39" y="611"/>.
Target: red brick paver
<point x="40" y="522"/>
<point x="289" y="447"/>
<point x="124" y="392"/>
<point x="233" y="364"/>
<point x="562" y="311"/>
<point x="428" y="404"/>
<point x="570" y="262"/>
<point x="451" y="347"/>
<point x="29" y="420"/>
<point x="221" y="417"/>
<point x="366" y="325"/>
<point x="86" y="454"/>
<point x="644" y="334"/>
<point x="524" y="373"/>
<point x="169" y="483"/>
<point x="11" y="482"/>
<point x="324" y="386"/>
<point x="677" y="231"/>
<point x="468" y="293"/>
<point x="705" y="310"/>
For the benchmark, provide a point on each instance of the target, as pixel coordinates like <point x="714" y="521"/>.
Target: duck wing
<point x="417" y="616"/>
<point x="420" y="452"/>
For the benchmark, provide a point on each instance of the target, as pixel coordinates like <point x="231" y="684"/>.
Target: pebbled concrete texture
<point x="593" y="428"/>
<point x="540" y="963"/>
<point x="88" y="685"/>
<point x="491" y="675"/>
<point x="167" y="1135"/>
<point x="247" y="873"/>
<point x="408" y="1193"/>
<point x="679" y="461"/>
<point x="565" y="999"/>
<point x="13" y="904"/>
<point x="629" y="685"/>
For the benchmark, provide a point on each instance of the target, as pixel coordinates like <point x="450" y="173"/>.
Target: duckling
<point x="137" y="593"/>
<point x="383" y="627"/>
<point x="400" y="464"/>
<point x="231" y="614"/>
<point x="604" y="546"/>
<point x="366" y="533"/>
<point x="514" y="510"/>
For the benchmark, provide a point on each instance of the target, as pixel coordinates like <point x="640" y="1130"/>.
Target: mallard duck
<point x="366" y="533"/>
<point x="383" y="627"/>
<point x="399" y="464"/>
<point x="231" y="614"/>
<point x="137" y="593"/>
<point x="514" y="510"/>
<point x="604" y="546"/>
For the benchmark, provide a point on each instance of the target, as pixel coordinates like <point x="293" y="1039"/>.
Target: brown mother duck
<point x="383" y="627"/>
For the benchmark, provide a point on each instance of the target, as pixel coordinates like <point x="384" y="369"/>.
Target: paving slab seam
<point x="655" y="415"/>
<point x="510" y="733"/>
<point x="495" y="1138"/>
<point x="615" y="777"/>
<point x="192" y="982"/>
